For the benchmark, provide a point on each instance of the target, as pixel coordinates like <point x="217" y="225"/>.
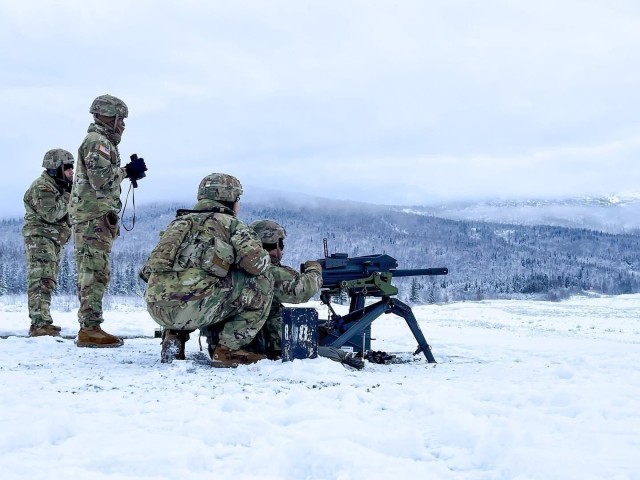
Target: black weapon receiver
<point x="361" y="277"/>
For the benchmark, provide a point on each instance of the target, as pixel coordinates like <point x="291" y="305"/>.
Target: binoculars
<point x="138" y="167"/>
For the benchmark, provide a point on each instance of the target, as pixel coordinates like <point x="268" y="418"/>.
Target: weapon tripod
<point x="354" y="328"/>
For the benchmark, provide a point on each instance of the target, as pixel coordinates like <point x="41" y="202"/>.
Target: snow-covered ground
<point x="522" y="390"/>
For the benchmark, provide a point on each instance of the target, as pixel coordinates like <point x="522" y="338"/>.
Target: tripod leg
<point x="403" y="310"/>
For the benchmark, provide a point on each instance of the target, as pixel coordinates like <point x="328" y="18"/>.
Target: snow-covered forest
<point x="485" y="260"/>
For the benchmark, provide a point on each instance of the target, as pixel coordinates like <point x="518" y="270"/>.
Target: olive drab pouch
<point x="163" y="257"/>
<point x="218" y="258"/>
<point x="212" y="254"/>
<point x="185" y="244"/>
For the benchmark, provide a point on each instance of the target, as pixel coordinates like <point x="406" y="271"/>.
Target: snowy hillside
<point x="613" y="213"/>
<point x="608" y="213"/>
<point x="528" y="390"/>
<point x="485" y="260"/>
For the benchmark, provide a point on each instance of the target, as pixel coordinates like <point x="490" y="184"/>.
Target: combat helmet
<point x="109" y="106"/>
<point x="220" y="187"/>
<point x="269" y="231"/>
<point x="56" y="158"/>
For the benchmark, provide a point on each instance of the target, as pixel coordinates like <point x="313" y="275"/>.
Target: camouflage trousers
<point x="43" y="264"/>
<point x="93" y="241"/>
<point x="236" y="314"/>
<point x="269" y="339"/>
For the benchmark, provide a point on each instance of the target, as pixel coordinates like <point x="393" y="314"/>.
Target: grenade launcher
<point x="362" y="277"/>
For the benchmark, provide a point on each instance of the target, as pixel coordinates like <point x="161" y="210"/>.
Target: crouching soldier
<point x="289" y="286"/>
<point x="46" y="230"/>
<point x="210" y="272"/>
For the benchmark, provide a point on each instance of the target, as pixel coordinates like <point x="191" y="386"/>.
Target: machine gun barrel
<point x="420" y="271"/>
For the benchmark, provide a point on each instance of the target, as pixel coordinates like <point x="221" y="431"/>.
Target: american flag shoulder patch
<point x="105" y="150"/>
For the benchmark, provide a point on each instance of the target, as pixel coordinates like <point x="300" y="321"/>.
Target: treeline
<point x="485" y="260"/>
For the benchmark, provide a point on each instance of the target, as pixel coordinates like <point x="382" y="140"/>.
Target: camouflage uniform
<point x="209" y="269"/>
<point x="289" y="286"/>
<point x="93" y="208"/>
<point x="46" y="230"/>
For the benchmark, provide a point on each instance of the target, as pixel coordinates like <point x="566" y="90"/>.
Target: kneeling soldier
<point x="209" y="271"/>
<point x="289" y="286"/>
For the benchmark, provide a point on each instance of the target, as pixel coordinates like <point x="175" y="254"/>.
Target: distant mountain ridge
<point x="602" y="200"/>
<point x="608" y="213"/>
<point x="486" y="259"/>
<point x="611" y="213"/>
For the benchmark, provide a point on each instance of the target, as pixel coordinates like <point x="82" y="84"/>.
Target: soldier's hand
<point x="312" y="265"/>
<point x="135" y="168"/>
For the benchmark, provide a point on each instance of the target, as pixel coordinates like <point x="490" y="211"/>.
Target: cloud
<point x="423" y="100"/>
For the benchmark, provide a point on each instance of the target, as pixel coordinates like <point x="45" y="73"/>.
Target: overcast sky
<point x="403" y="102"/>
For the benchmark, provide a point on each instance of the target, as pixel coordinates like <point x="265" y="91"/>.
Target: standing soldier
<point x="210" y="272"/>
<point x="94" y="207"/>
<point x="46" y="230"/>
<point x="289" y="286"/>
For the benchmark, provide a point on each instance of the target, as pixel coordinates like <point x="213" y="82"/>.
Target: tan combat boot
<point x="173" y="345"/>
<point x="223" y="357"/>
<point x="42" y="330"/>
<point x="95" y="337"/>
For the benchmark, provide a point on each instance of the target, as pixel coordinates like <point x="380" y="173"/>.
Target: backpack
<point x="186" y="244"/>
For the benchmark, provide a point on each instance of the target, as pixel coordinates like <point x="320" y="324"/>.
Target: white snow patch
<point x="523" y="389"/>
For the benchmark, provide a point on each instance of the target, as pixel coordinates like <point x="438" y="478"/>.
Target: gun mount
<point x="362" y="277"/>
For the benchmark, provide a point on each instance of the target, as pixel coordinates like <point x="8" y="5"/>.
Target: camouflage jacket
<point x="96" y="189"/>
<point x="45" y="205"/>
<point x="293" y="287"/>
<point x="199" y="250"/>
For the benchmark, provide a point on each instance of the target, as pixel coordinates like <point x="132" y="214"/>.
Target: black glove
<point x="135" y="169"/>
